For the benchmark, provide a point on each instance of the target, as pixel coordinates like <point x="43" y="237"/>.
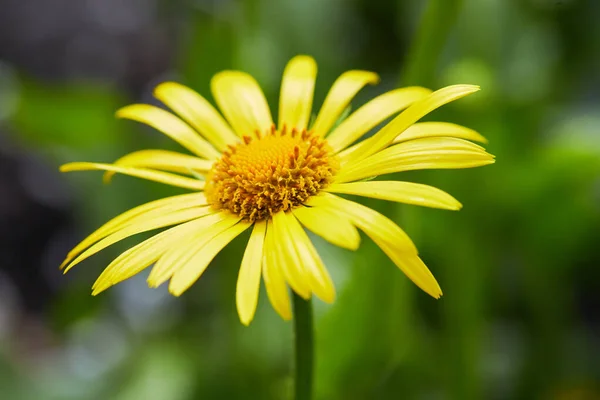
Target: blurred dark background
<point x="519" y="264"/>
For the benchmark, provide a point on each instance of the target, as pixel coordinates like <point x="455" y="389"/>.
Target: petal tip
<point x="123" y="112"/>
<point x="304" y="295"/>
<point x="329" y="299"/>
<point x="452" y="207"/>
<point x="107" y="177"/>
<point x="436" y="293"/>
<point x="303" y="58"/>
<point x="76" y="166"/>
<point x="369" y="77"/>
<point x="176" y="290"/>
<point x="471" y="87"/>
<point x="229" y="74"/>
<point x="65" y="167"/>
<point x="98" y="290"/>
<point x="164" y="86"/>
<point x="133" y="111"/>
<point x="66" y="261"/>
<point x="245" y="319"/>
<point x="462" y="88"/>
<point x="375" y="79"/>
<point x="354" y="246"/>
<point x="152" y="282"/>
<point x="68" y="266"/>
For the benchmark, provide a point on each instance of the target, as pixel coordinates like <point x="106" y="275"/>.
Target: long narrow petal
<point x="162" y="221"/>
<point x="139" y="257"/>
<point x="439" y="159"/>
<point x="277" y="290"/>
<point x="190" y="272"/>
<point x="157" y="176"/>
<point x="319" y="279"/>
<point x="248" y="283"/>
<point x="198" y="112"/>
<point x="438" y="129"/>
<point x="242" y="102"/>
<point x="403" y="192"/>
<point x="139" y="213"/>
<point x="175" y="258"/>
<point x="412" y="266"/>
<point x="297" y="88"/>
<point x="373" y="113"/>
<point x="408" y="117"/>
<point x="171" y="126"/>
<point x="289" y="262"/>
<point x="432" y="143"/>
<point x="388" y="236"/>
<point x="330" y="226"/>
<point x="128" y="264"/>
<point x="341" y="93"/>
<point x="423" y="153"/>
<point x="161" y="160"/>
<point x="420" y="130"/>
<point x="366" y="219"/>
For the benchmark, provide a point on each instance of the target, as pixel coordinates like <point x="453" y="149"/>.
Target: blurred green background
<point x="518" y="265"/>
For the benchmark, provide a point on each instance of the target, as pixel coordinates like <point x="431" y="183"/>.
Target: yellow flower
<point x="278" y="180"/>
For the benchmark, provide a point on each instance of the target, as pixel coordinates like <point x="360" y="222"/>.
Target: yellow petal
<point x="439" y="159"/>
<point x="403" y="192"/>
<point x="190" y="272"/>
<point x="242" y="102"/>
<point x="366" y="219"/>
<point x="319" y="279"/>
<point x="139" y="213"/>
<point x="248" y="283"/>
<point x="412" y="266"/>
<point x="161" y="221"/>
<point x="297" y="88"/>
<point x="171" y="126"/>
<point x="140" y="257"/>
<point x="426" y="153"/>
<point x="162" y="160"/>
<point x="437" y="129"/>
<point x="198" y="112"/>
<point x="330" y="226"/>
<point x="433" y="143"/>
<point x="287" y="257"/>
<point x="420" y="130"/>
<point x="408" y="117"/>
<point x="157" y="176"/>
<point x="373" y="113"/>
<point x="277" y="290"/>
<point x="341" y="93"/>
<point x="388" y="236"/>
<point x="175" y="258"/>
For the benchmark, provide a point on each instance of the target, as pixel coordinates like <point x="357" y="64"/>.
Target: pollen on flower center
<point x="276" y="171"/>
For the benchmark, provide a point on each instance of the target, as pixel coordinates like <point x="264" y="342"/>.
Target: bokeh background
<point x="519" y="264"/>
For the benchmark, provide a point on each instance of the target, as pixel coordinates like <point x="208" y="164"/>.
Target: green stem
<point x="304" y="348"/>
<point x="431" y="37"/>
<point x="421" y="68"/>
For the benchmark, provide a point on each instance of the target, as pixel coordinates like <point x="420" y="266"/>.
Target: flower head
<point x="248" y="173"/>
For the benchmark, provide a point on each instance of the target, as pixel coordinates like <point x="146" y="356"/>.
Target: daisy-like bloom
<point x="246" y="173"/>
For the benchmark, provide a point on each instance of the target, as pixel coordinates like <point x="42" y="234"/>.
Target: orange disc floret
<point x="269" y="173"/>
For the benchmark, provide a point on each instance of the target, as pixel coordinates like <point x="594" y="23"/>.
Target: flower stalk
<point x="432" y="34"/>
<point x="303" y="348"/>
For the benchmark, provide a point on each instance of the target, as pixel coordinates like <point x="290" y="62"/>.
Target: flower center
<point x="278" y="171"/>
